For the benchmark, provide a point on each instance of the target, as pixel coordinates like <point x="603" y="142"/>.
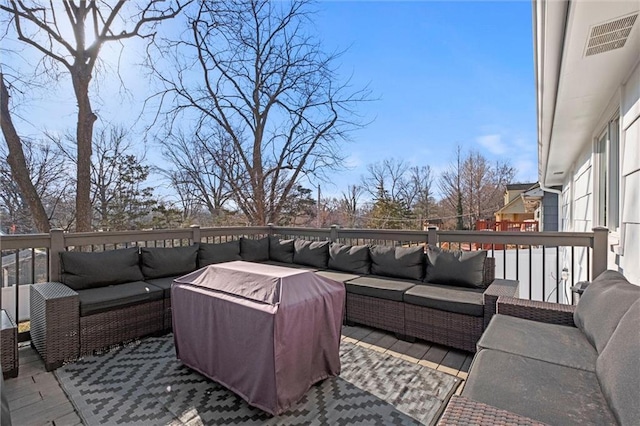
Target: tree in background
<point x="267" y="100"/>
<point x="118" y="195"/>
<point x="196" y="176"/>
<point x="349" y="204"/>
<point x="300" y="208"/>
<point x="472" y="187"/>
<point x="388" y="177"/>
<point x="69" y="35"/>
<point x="388" y="213"/>
<point x="46" y="171"/>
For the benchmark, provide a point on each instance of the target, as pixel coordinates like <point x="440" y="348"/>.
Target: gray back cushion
<point x="618" y="370"/>
<point x="460" y="268"/>
<point x="281" y="250"/>
<point x="168" y="262"/>
<point x="399" y="262"/>
<point x="254" y="250"/>
<point x="602" y="305"/>
<point x="311" y="253"/>
<point x="90" y="270"/>
<point x="218" y="253"/>
<point x="354" y="259"/>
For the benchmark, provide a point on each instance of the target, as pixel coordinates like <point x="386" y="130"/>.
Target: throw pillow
<point x="398" y="262"/>
<point x="254" y="250"/>
<point x="158" y="262"/>
<point x="354" y="259"/>
<point x="281" y="250"/>
<point x="99" y="269"/>
<point x="311" y="253"/>
<point x="218" y="253"/>
<point x="461" y="268"/>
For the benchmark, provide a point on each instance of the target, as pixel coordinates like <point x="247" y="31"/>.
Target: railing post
<point x="270" y="225"/>
<point x="57" y="247"/>
<point x="432" y="236"/>
<point x="333" y="235"/>
<point x="600" y="251"/>
<point x="195" y="234"/>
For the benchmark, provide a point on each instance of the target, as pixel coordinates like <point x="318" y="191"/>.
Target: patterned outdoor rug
<point x="144" y="383"/>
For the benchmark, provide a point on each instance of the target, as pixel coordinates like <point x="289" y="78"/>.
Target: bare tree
<point x="256" y="77"/>
<point x="418" y="191"/>
<point x="386" y="176"/>
<point x="70" y="34"/>
<point x="451" y="187"/>
<point x="349" y="203"/>
<point x="195" y="175"/>
<point x="45" y="168"/>
<point x="473" y="187"/>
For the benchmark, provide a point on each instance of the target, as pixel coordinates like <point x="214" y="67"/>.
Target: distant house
<point x="587" y="61"/>
<point x="526" y="202"/>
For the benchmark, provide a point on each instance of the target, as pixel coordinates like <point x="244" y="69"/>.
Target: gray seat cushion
<point x="618" y="370"/>
<point x="311" y="253"/>
<point x="554" y="343"/>
<point x="460" y="300"/>
<point x="380" y="287"/>
<point x="338" y="275"/>
<point x="610" y="293"/>
<point x="97" y="300"/>
<point x="352" y="259"/>
<point x="290" y="265"/>
<point x="399" y="262"/>
<point x="459" y="268"/>
<point x="167" y="262"/>
<point x="163" y="283"/>
<point x="542" y="391"/>
<point x="254" y="250"/>
<point x="280" y="250"/>
<point x="218" y="253"/>
<point x="89" y="270"/>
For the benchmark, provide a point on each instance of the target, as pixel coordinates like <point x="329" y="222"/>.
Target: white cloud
<point x="493" y="143"/>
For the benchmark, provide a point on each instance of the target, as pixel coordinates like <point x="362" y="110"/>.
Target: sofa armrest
<point x="465" y="411"/>
<point x="497" y="288"/>
<point x="553" y="313"/>
<point x="55" y="323"/>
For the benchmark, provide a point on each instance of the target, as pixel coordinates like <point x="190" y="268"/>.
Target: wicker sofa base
<point x="106" y="329"/>
<point x="9" y="346"/>
<point x="374" y="312"/>
<point x="168" y="320"/>
<point x="464" y="411"/>
<point x="446" y="328"/>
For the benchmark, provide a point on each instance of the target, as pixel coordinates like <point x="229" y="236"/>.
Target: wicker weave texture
<point x="553" y="313"/>
<point x="489" y="271"/>
<point x="55" y="313"/>
<point x="496" y="289"/>
<point x="168" y="320"/>
<point x="379" y="313"/>
<point x="464" y="411"/>
<point x="9" y="346"/>
<point x="447" y="328"/>
<point x="106" y="329"/>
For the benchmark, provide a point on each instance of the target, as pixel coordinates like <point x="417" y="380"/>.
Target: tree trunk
<point x="18" y="164"/>
<point x="84" y="134"/>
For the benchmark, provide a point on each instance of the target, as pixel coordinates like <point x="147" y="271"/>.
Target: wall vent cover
<point x="610" y="35"/>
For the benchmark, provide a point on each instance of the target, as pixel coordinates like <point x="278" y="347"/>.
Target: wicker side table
<point x="8" y="345"/>
<point x="55" y="323"/>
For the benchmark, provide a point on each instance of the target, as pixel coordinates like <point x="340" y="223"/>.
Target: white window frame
<point x="608" y="215"/>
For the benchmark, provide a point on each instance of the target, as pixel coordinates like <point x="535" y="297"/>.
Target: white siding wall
<point x="629" y="262"/>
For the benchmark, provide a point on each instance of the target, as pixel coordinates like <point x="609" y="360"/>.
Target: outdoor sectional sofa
<point x="541" y="362"/>
<point x="106" y="298"/>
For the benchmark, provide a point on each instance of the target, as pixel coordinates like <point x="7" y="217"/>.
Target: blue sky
<point x="445" y="73"/>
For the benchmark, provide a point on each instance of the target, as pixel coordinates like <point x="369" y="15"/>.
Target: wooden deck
<point x="36" y="398"/>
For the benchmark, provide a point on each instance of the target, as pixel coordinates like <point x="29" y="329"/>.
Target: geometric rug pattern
<point x="143" y="383"/>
